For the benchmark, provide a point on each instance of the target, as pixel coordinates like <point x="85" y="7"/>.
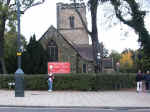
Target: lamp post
<point x="99" y="56"/>
<point x="19" y="78"/>
<point x="98" y="59"/>
<point x="19" y="74"/>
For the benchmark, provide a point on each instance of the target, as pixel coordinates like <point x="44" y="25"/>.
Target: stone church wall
<point x="66" y="52"/>
<point x="77" y="34"/>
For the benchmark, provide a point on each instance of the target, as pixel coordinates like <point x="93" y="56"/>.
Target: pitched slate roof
<point x="85" y="51"/>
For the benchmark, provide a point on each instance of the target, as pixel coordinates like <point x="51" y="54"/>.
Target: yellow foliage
<point x="126" y="60"/>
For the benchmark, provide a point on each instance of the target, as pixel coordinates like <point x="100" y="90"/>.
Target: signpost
<point x="59" y="67"/>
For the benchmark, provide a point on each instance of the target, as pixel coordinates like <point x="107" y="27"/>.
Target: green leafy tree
<point x="142" y="60"/>
<point x="35" y="58"/>
<point x="10" y="45"/>
<point x="123" y="8"/>
<point x="116" y="57"/>
<point x="131" y="8"/>
<point x="5" y="14"/>
<point x="145" y="63"/>
<point x="8" y="13"/>
<point x="10" y="51"/>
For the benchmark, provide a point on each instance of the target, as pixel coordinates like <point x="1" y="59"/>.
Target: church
<point x="69" y="42"/>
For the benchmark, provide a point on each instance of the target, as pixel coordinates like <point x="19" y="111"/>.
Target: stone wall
<point x="77" y="34"/>
<point x="66" y="52"/>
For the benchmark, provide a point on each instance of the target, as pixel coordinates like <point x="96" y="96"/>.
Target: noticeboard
<point x="59" y="67"/>
<point x="107" y="63"/>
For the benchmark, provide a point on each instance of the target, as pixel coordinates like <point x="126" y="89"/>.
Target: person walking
<point x="50" y="82"/>
<point x="139" y="78"/>
<point x="147" y="80"/>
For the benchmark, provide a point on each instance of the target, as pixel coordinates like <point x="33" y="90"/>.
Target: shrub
<point x="83" y="82"/>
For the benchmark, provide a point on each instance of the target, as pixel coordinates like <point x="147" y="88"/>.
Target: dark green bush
<point x="5" y="79"/>
<point x="35" y="82"/>
<point x="114" y="82"/>
<point x="83" y="82"/>
<point x="73" y="82"/>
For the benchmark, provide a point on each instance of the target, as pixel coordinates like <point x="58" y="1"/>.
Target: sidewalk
<point x="76" y="99"/>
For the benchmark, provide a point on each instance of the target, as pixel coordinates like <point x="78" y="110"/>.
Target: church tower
<point x="70" y="25"/>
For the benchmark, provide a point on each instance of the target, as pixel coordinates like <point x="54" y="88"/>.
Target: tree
<point x="103" y="50"/>
<point x="135" y="20"/>
<point x="34" y="58"/>
<point x="116" y="58"/>
<point x="126" y="62"/>
<point x="8" y="13"/>
<point x="93" y="5"/>
<point x="10" y="46"/>
<point x="5" y="14"/>
<point x="145" y="63"/>
<point x="142" y="60"/>
<point x="128" y="12"/>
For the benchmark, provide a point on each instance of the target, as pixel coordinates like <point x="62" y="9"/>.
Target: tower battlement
<point x="70" y="6"/>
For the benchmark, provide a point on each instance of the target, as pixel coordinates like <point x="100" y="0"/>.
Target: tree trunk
<point x="94" y="34"/>
<point x="2" y="30"/>
<point x="93" y="4"/>
<point x="3" y="69"/>
<point x="95" y="52"/>
<point x="144" y="38"/>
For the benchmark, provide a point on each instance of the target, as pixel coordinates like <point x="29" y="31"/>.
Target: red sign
<point x="58" y="67"/>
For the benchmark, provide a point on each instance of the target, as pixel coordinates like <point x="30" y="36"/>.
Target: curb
<point x="76" y="107"/>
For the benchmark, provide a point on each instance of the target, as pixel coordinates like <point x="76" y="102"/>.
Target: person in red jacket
<point x="50" y="82"/>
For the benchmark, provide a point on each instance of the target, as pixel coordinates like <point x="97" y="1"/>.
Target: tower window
<point x="52" y="51"/>
<point x="71" y="19"/>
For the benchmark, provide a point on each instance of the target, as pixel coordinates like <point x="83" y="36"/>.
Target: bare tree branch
<point x="83" y="22"/>
<point x="116" y="5"/>
<point x="81" y="18"/>
<point x="32" y="5"/>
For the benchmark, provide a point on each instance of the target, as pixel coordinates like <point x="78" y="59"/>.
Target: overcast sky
<point x="37" y="20"/>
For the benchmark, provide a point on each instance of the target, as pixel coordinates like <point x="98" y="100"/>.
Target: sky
<point x="38" y="19"/>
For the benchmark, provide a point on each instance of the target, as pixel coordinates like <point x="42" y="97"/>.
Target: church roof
<point x="50" y="29"/>
<point x="84" y="50"/>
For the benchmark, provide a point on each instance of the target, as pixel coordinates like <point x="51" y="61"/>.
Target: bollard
<point x="11" y="84"/>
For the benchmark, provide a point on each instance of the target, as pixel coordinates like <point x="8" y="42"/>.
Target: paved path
<point x="73" y="98"/>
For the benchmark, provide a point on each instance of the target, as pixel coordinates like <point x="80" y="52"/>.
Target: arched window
<point x="71" y="20"/>
<point x="52" y="51"/>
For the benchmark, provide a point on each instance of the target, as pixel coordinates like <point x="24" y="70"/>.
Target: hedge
<point x="82" y="82"/>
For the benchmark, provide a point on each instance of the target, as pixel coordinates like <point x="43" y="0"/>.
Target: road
<point x="28" y="109"/>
